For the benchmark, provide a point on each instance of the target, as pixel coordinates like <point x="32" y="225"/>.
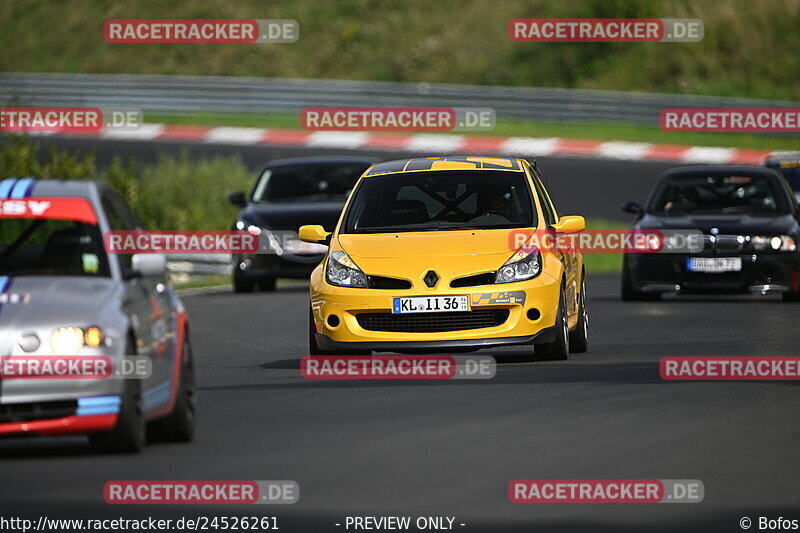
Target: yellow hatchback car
<point x="423" y="260"/>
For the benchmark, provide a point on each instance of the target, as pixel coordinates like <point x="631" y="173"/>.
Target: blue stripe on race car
<point x="21" y="189"/>
<point x="5" y="186"/>
<point x="99" y="405"/>
<point x="4" y="282"/>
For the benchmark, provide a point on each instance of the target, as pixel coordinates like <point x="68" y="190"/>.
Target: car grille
<point x="487" y="278"/>
<point x="722" y="243"/>
<point x="381" y="282"/>
<point x="26" y="412"/>
<point x="432" y="322"/>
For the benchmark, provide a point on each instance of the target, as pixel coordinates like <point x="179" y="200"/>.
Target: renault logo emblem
<point x="431" y="278"/>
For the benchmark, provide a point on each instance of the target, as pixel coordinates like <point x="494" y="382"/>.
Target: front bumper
<point x="760" y="273"/>
<point x="539" y="295"/>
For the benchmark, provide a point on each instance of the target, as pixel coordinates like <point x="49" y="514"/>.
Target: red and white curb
<point x="434" y="144"/>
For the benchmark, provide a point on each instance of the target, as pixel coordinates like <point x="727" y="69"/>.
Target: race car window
<point x="51" y="247"/>
<point x="303" y="183"/>
<point x="544" y="200"/>
<point x="441" y="200"/>
<point x="718" y="193"/>
<point x="118" y="220"/>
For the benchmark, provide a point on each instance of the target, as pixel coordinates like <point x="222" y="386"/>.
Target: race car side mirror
<point x="571" y="224"/>
<point x="149" y="264"/>
<point x="314" y="235"/>
<point x="238" y="199"/>
<point x="631" y="207"/>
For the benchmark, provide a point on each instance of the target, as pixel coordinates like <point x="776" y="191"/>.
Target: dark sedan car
<point x="748" y="217"/>
<point x="288" y="194"/>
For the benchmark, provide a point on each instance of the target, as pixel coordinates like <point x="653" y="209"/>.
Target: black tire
<point x="266" y="284"/>
<point x="630" y="294"/>
<point x="793" y="296"/>
<point x="579" y="337"/>
<point x="242" y="284"/>
<point x="128" y="436"/>
<point x="178" y="426"/>
<point x="557" y="350"/>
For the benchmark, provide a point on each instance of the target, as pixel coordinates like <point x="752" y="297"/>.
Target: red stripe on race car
<point x="176" y="370"/>
<point x="61" y="426"/>
<point x="75" y="209"/>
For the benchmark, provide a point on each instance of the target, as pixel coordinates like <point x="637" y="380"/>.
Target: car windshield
<point x="51" y="247"/>
<point x="308" y="183"/>
<point x="726" y="193"/>
<point x="442" y="200"/>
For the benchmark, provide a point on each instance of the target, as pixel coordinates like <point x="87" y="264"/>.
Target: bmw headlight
<point x="67" y="341"/>
<point x="778" y="243"/>
<point x="519" y="267"/>
<point x="342" y="271"/>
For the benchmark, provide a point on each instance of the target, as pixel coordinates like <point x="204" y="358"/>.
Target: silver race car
<point x="63" y="296"/>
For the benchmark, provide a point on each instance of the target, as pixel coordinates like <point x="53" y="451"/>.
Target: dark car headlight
<point x="778" y="243"/>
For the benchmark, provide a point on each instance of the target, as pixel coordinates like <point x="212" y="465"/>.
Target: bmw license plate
<point x="714" y="265"/>
<point x="430" y="304"/>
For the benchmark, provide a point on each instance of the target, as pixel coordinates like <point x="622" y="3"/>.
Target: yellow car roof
<point x="444" y="163"/>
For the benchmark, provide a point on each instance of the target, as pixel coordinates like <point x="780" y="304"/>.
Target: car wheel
<point x="128" y="436"/>
<point x="630" y="294"/>
<point x="241" y="284"/>
<point x="179" y="425"/>
<point x="558" y="350"/>
<point x="266" y="284"/>
<point x="792" y="296"/>
<point x="579" y="337"/>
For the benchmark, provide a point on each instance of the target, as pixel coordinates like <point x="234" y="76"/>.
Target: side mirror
<point x="314" y="235"/>
<point x="238" y="199"/>
<point x="149" y="264"/>
<point x="571" y="224"/>
<point x="631" y="207"/>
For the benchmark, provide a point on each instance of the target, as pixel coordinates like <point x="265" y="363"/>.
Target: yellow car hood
<point x="411" y="254"/>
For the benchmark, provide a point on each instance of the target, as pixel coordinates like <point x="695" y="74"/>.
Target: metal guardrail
<point x="185" y="267"/>
<point x="187" y="94"/>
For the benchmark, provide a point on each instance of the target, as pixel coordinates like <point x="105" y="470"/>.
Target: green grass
<point x="749" y="49"/>
<point x="514" y="128"/>
<point x="600" y="263"/>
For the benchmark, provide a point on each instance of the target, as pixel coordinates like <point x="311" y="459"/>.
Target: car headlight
<point x="67" y="341"/>
<point x="782" y="243"/>
<point x="519" y="267"/>
<point x="342" y="271"/>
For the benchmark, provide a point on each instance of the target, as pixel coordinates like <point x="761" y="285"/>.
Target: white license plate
<point x="714" y="265"/>
<point x="430" y="304"/>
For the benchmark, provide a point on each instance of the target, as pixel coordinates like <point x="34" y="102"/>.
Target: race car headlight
<point x="342" y="271"/>
<point x="521" y="266"/>
<point x="67" y="341"/>
<point x="778" y="243"/>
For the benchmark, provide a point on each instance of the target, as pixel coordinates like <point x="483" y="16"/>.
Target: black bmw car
<point x="287" y="194"/>
<point x="749" y="219"/>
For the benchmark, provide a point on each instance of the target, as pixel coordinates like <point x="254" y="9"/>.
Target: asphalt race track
<point x="450" y="448"/>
